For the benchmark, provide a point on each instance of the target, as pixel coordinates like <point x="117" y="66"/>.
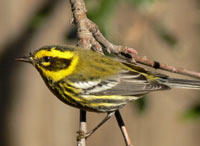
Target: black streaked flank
<point x="82" y="104"/>
<point x="56" y="90"/>
<point x="72" y="102"/>
<point x="61" y="84"/>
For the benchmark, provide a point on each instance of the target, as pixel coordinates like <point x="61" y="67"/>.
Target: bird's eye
<point x="30" y="54"/>
<point x="46" y="59"/>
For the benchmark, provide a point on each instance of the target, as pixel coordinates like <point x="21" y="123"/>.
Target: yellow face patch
<point x="59" y="74"/>
<point x="46" y="63"/>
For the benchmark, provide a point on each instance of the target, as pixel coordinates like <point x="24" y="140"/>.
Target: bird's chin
<point x="45" y="78"/>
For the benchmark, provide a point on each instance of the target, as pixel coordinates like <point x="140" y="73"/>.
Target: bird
<point x="90" y="81"/>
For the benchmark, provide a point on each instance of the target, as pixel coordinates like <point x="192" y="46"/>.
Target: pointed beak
<point x="27" y="59"/>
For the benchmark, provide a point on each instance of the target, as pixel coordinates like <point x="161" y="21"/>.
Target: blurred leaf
<point x="102" y="12"/>
<point x="198" y="3"/>
<point x="192" y="113"/>
<point x="141" y="104"/>
<point x="165" y="34"/>
<point x="167" y="37"/>
<point x="141" y="2"/>
<point x="101" y="15"/>
<point x="39" y="17"/>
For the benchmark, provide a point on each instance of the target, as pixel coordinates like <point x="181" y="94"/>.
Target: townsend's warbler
<point x="90" y="81"/>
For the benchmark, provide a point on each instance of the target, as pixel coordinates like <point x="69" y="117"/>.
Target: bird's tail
<point x="180" y="83"/>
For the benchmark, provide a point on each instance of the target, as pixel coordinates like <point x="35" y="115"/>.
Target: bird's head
<point x="53" y="62"/>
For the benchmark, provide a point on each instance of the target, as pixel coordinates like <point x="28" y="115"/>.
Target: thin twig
<point x="122" y="128"/>
<point x="82" y="129"/>
<point x="155" y="64"/>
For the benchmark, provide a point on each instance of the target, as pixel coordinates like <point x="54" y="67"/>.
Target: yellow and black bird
<point x="93" y="82"/>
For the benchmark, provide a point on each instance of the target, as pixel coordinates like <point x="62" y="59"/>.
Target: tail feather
<point x="180" y="83"/>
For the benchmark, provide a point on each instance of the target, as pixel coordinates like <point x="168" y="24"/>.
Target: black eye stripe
<point x="56" y="63"/>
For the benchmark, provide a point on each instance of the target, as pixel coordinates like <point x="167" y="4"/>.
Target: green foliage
<point x="36" y="21"/>
<point x="140" y="2"/>
<point x="102" y="13"/>
<point x="193" y="113"/>
<point x="165" y="35"/>
<point x="39" y="17"/>
<point x="198" y="3"/>
<point x="141" y="104"/>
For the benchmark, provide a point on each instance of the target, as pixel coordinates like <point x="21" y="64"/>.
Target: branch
<point x="157" y="65"/>
<point x="80" y="19"/>
<point x="90" y="37"/>
<point x="79" y="15"/>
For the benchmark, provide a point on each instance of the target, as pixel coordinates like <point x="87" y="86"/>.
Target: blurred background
<point x="164" y="30"/>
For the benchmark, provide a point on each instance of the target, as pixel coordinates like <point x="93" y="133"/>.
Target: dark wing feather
<point x="126" y="83"/>
<point x="132" y="84"/>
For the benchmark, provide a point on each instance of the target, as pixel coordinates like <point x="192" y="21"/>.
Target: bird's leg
<point x="122" y="128"/>
<point x="108" y="116"/>
<point x="82" y="129"/>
